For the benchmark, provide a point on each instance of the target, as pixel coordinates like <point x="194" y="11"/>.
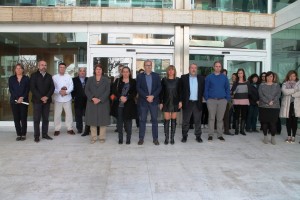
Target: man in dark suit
<point x="192" y="88"/>
<point x="42" y="88"/>
<point x="80" y="100"/>
<point x="148" y="88"/>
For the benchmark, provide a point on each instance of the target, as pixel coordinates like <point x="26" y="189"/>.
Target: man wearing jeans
<point x="148" y="87"/>
<point x="216" y="94"/>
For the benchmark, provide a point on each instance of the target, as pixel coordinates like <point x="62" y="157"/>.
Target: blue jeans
<point x="252" y="117"/>
<point x="143" y="112"/>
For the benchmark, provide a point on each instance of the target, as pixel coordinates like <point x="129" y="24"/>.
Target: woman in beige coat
<point x="290" y="104"/>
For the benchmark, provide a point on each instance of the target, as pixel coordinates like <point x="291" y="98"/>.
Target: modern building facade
<point x="257" y="35"/>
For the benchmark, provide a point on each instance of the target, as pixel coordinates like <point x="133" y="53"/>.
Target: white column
<point x="270" y="6"/>
<point x="186" y="48"/>
<point x="178" y="50"/>
<point x="268" y="63"/>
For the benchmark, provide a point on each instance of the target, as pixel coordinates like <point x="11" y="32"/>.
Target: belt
<point x="216" y="98"/>
<point x="193" y="101"/>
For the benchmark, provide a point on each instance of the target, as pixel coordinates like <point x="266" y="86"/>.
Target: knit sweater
<point x="268" y="93"/>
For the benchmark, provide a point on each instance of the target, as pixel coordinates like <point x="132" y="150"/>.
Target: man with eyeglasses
<point x="148" y="87"/>
<point x="80" y="100"/>
<point x="216" y="94"/>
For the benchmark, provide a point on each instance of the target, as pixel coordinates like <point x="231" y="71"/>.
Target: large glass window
<point x="227" y="42"/>
<point x="286" y="51"/>
<point x="254" y="6"/>
<point x="205" y="62"/>
<point x="28" y="48"/>
<point x="279" y="4"/>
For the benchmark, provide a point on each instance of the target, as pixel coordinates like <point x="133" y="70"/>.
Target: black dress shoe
<point x="23" y="138"/>
<point x="18" y="138"/>
<point x="47" y="137"/>
<point x="85" y="134"/>
<point x="155" y="142"/>
<point x="37" y="140"/>
<point x="228" y="133"/>
<point x="141" y="142"/>
<point x="210" y="138"/>
<point x="198" y="139"/>
<point x="120" y="141"/>
<point x="221" y="138"/>
<point x="127" y="141"/>
<point x="184" y="139"/>
<point x="116" y="130"/>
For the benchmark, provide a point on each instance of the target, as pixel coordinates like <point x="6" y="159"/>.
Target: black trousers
<point x="20" y="113"/>
<point x="204" y="118"/>
<point x="79" y="113"/>
<point x="292" y="121"/>
<point x="41" y="110"/>
<point x="190" y="109"/>
<point x="127" y="123"/>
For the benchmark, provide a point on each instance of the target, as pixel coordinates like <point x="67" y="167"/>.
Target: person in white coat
<point x="290" y="104"/>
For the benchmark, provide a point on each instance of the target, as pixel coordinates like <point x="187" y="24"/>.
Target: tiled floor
<point x="69" y="167"/>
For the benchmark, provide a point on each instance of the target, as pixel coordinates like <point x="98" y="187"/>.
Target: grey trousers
<point x="216" y="109"/>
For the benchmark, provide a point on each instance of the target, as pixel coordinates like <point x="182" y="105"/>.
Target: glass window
<point x="205" y="62"/>
<point x="135" y="39"/>
<point x="28" y="48"/>
<point x="279" y="4"/>
<point x="286" y="51"/>
<point x="227" y="42"/>
<point x="254" y="6"/>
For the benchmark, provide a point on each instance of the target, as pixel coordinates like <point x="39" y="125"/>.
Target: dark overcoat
<point x="97" y="114"/>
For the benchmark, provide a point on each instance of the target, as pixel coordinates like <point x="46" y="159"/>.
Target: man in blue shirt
<point x="148" y="87"/>
<point x="192" y="87"/>
<point x="216" y="94"/>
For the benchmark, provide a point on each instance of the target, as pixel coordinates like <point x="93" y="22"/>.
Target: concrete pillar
<point x="270" y="6"/>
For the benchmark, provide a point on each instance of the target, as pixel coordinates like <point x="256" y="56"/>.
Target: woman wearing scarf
<point x="290" y="104"/>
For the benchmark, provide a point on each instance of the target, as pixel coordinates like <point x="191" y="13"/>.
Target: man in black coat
<point x="192" y="88"/>
<point x="80" y="100"/>
<point x="42" y="88"/>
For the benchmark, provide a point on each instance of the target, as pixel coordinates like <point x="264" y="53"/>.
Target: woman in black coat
<point x="124" y="107"/>
<point x="170" y="102"/>
<point x="19" y="88"/>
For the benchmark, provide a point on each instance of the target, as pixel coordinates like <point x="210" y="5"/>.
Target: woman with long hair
<point x="170" y="102"/>
<point x="269" y="106"/>
<point x="240" y="91"/>
<point x="290" y="104"/>
<point x="19" y="88"/>
<point x="253" y="108"/>
<point x="124" y="109"/>
<point x="97" y="90"/>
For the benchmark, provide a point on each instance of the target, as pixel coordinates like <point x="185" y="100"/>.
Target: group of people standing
<point x="95" y="99"/>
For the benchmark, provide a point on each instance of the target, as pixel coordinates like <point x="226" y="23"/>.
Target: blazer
<point x="142" y="89"/>
<point x="41" y="86"/>
<point x="130" y="110"/>
<point x="287" y="95"/>
<point x="17" y="89"/>
<point x="78" y="93"/>
<point x="185" y="90"/>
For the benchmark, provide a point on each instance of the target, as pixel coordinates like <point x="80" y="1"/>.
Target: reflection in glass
<point x="205" y="62"/>
<point x="286" y="51"/>
<point x="28" y="48"/>
<point x="227" y="42"/>
<point x="250" y="67"/>
<point x="111" y="64"/>
<point x="254" y="6"/>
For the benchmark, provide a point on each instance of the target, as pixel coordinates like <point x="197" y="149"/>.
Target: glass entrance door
<point x="251" y="65"/>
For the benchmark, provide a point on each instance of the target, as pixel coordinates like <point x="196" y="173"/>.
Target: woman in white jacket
<point x="290" y="104"/>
